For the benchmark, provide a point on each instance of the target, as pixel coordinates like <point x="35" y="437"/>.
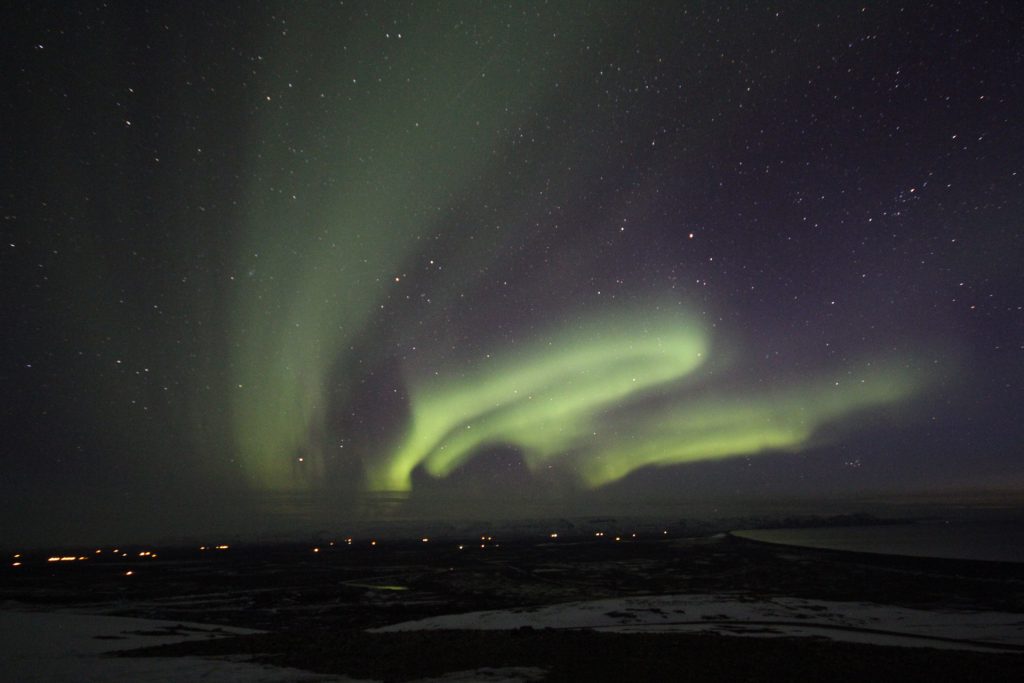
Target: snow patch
<point x="737" y="615"/>
<point x="59" y="646"/>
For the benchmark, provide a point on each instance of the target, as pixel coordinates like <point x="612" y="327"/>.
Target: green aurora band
<point x="543" y="399"/>
<point x="576" y="398"/>
<point x="353" y="168"/>
<point x="786" y="420"/>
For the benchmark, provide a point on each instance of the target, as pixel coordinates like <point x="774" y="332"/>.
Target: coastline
<point x="925" y="540"/>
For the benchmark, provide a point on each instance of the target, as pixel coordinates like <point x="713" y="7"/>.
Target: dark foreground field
<point x="315" y="602"/>
<point x="577" y="655"/>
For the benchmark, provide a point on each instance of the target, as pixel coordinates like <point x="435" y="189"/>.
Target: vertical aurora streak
<point x="396" y="140"/>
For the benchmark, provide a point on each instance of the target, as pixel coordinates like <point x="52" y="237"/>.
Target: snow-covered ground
<point x="59" y="646"/>
<point x="69" y="646"/>
<point x="740" y="616"/>
<point x="66" y="646"/>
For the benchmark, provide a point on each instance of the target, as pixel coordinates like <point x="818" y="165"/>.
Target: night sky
<point x="302" y="263"/>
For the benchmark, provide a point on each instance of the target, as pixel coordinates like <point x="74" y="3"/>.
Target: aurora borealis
<point x="331" y="250"/>
<point x="555" y="402"/>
